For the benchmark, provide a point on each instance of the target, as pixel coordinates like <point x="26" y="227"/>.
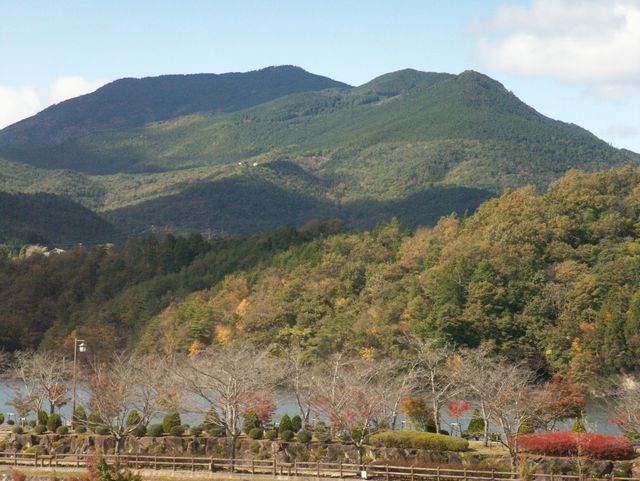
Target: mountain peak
<point x="405" y="79"/>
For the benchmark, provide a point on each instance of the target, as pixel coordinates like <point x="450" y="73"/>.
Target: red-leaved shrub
<point x="597" y="446"/>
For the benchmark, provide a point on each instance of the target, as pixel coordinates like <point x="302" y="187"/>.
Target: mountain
<point x="129" y="102"/>
<point x="410" y="144"/>
<point x="51" y="220"/>
<point x="551" y="279"/>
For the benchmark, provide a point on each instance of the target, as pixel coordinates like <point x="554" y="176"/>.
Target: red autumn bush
<point x="597" y="446"/>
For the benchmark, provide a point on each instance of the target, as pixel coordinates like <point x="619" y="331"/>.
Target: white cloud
<point x="592" y="42"/>
<point x="19" y="103"/>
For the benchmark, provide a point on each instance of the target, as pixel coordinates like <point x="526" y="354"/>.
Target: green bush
<point x="39" y="429"/>
<point x="18" y="430"/>
<point x="250" y="422"/>
<point x="255" y="433"/>
<point x="81" y="429"/>
<point x="578" y="427"/>
<point x="102" y="431"/>
<point x="32" y="423"/>
<point x="155" y="430"/>
<point x="1" y="418"/>
<point x="271" y="434"/>
<point x="177" y="430"/>
<point x="11" y="422"/>
<point x="93" y="421"/>
<point x="285" y="424"/>
<point x="296" y="423"/>
<point x="43" y="417"/>
<point x="62" y="430"/>
<point x="133" y="419"/>
<point x="304" y="437"/>
<point x="139" y="431"/>
<point x="216" y="432"/>
<point x="80" y="414"/>
<point x="418" y="440"/>
<point x="170" y="421"/>
<point x="54" y="421"/>
<point x="196" y="430"/>
<point x="287" y="435"/>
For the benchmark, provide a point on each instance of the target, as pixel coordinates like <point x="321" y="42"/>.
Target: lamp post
<point x="78" y="345"/>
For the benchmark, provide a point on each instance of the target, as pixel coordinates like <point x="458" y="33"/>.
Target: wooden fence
<point x="316" y="469"/>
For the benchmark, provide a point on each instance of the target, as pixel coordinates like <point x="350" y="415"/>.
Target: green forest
<point x="549" y="277"/>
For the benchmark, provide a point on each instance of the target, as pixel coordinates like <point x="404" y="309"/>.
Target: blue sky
<point x="575" y="60"/>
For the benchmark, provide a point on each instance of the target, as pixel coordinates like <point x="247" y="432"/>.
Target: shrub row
<point x="591" y="445"/>
<point x="418" y="440"/>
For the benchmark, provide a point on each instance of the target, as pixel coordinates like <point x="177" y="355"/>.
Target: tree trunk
<point x="436" y="415"/>
<point x="485" y="419"/>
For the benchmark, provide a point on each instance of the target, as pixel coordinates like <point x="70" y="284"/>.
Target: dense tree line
<point x="550" y="278"/>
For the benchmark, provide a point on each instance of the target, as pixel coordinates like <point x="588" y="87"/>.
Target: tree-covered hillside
<point x="51" y="220"/>
<point x="298" y="154"/>
<point x="549" y="277"/>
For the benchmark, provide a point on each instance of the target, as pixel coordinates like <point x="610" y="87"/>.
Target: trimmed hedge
<point x="155" y="430"/>
<point x="418" y="440"/>
<point x="591" y="445"/>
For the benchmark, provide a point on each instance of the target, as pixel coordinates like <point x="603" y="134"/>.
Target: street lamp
<point x="78" y="345"/>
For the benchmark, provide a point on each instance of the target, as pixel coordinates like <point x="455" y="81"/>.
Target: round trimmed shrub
<point x="80" y="414"/>
<point x="285" y="424"/>
<point x="11" y="422"/>
<point x="102" y="431"/>
<point x="271" y="434"/>
<point x="216" y="432"/>
<point x="287" y="435"/>
<point x="177" y="430"/>
<point x="196" y="430"/>
<point x="81" y="429"/>
<point x="170" y="421"/>
<point x="304" y="436"/>
<point x="32" y="423"/>
<point x="250" y="422"/>
<point x="155" y="430"/>
<point x="418" y="440"/>
<point x="1" y="418"/>
<point x="62" y="430"/>
<point x="42" y="417"/>
<point x="296" y="423"/>
<point x="18" y="430"/>
<point x="39" y="429"/>
<point x="139" y="431"/>
<point x="255" y="433"/>
<point x="591" y="445"/>
<point x="54" y="421"/>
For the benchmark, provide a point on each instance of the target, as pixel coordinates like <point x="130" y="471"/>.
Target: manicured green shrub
<point x="18" y="430"/>
<point x="102" y="431"/>
<point x="418" y="440"/>
<point x="177" y="430"/>
<point x="271" y="434"/>
<point x="155" y="430"/>
<point x="296" y="423"/>
<point x="62" y="430"/>
<point x="304" y="436"/>
<point x="133" y="418"/>
<point x="216" y="432"/>
<point x="255" y="433"/>
<point x="43" y="417"/>
<point x="32" y="423"/>
<point x="11" y="422"/>
<point x="81" y="429"/>
<point x="287" y="435"/>
<point x="170" y="421"/>
<point x="476" y="424"/>
<point x="39" y="429"/>
<point x="196" y="430"/>
<point x="285" y="424"/>
<point x="321" y="432"/>
<point x="250" y="422"/>
<point x="1" y="418"/>
<point x="93" y="421"/>
<point x="578" y="427"/>
<point x="54" y="421"/>
<point x="139" y="431"/>
<point x="80" y="414"/>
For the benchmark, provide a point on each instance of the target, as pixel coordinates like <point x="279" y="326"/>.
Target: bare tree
<point x="433" y="367"/>
<point x="350" y="394"/>
<point x="399" y="379"/>
<point x="126" y="383"/>
<point x="225" y="383"/>
<point x="624" y="397"/>
<point x="298" y="378"/>
<point x="45" y="376"/>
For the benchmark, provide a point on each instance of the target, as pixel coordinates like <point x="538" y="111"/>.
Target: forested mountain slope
<point x="549" y="277"/>
<point x="232" y="163"/>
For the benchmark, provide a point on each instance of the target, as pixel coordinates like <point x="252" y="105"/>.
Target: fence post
<point x="77" y="460"/>
<point x="413" y="475"/>
<point x="465" y="474"/>
<point x="318" y="469"/>
<point x="253" y="466"/>
<point x="386" y="469"/>
<point x="341" y="468"/>
<point x="155" y="462"/>
<point x="438" y="474"/>
<point x="174" y="463"/>
<point x="275" y="467"/>
<point x="295" y="468"/>
<point x="193" y="463"/>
